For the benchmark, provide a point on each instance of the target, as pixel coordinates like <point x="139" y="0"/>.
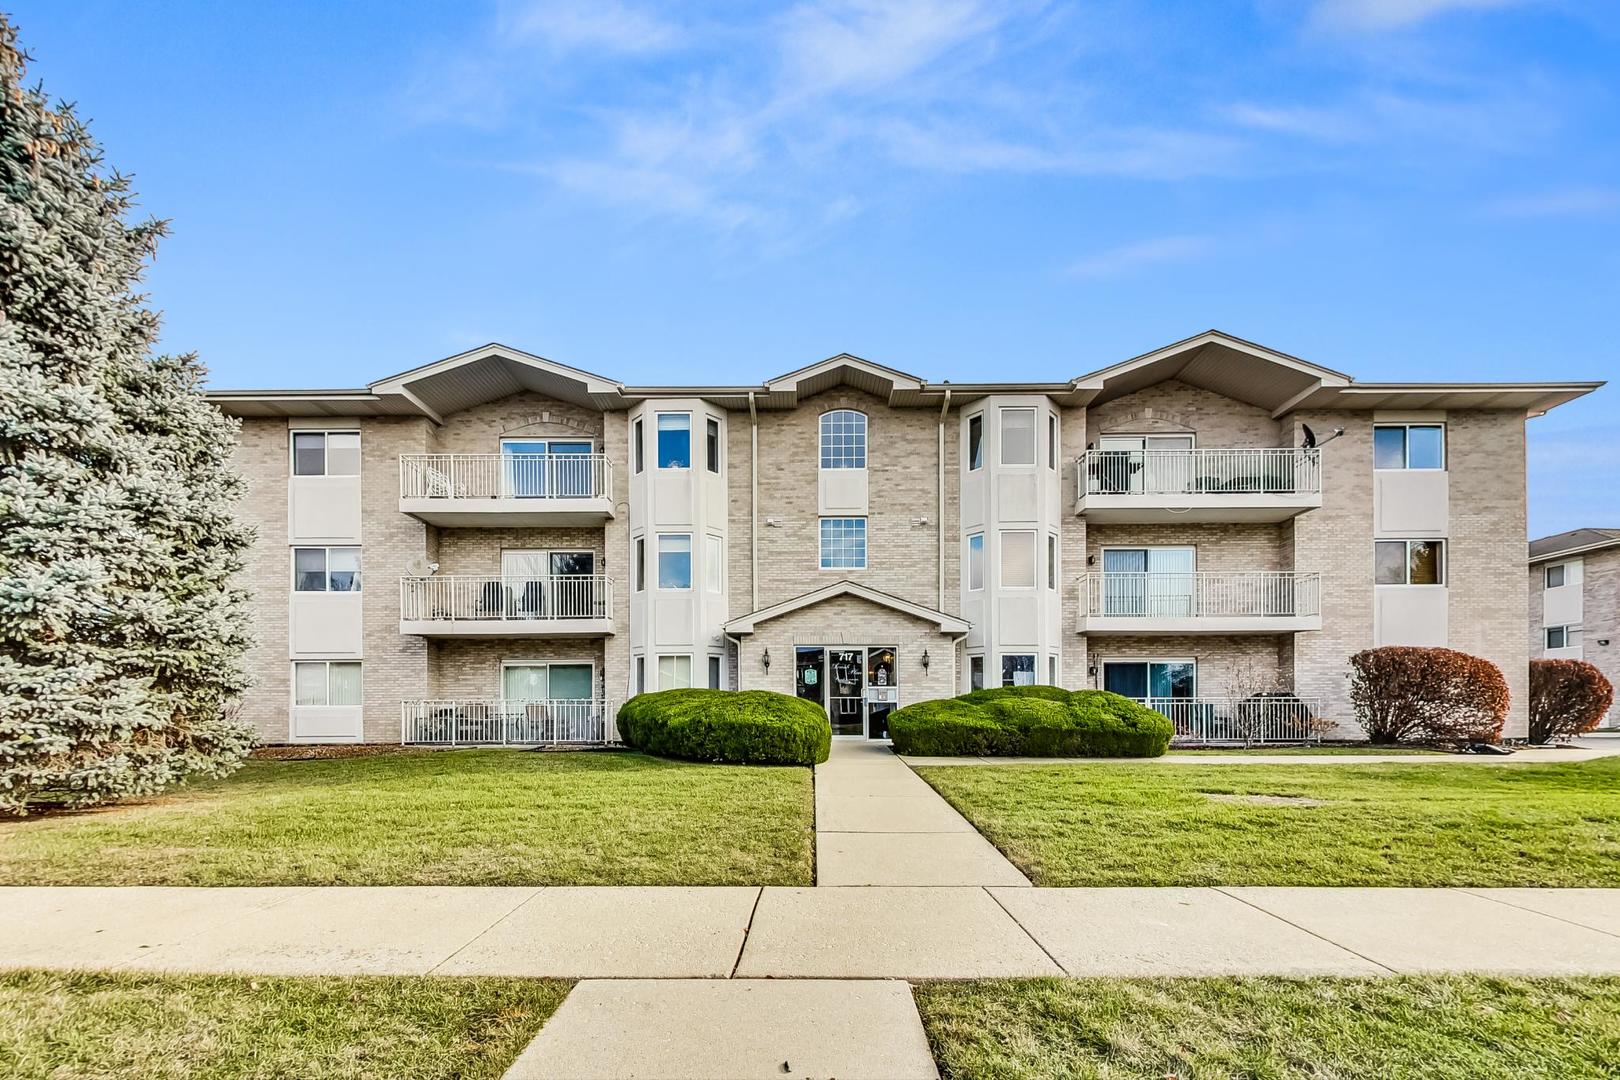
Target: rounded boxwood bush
<point x="1031" y="721"/>
<point x="752" y="727"/>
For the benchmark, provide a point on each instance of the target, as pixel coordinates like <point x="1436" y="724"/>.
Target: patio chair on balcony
<point x="531" y="601"/>
<point x="492" y="600"/>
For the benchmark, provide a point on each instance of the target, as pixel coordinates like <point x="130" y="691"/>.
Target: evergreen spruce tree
<point x="121" y="632"/>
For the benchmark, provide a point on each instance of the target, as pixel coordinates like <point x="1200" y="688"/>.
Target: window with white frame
<point x="975" y="449"/>
<point x="712" y="444"/>
<point x="674" y="672"/>
<point x="1017" y="669"/>
<point x="1017" y="559"/>
<point x="1409" y="562"/>
<point x="975" y="673"/>
<point x="843" y="543"/>
<point x="843" y="439"/>
<point x="1556" y="576"/>
<point x="1051" y="441"/>
<point x="675" y="560"/>
<point x="716" y="678"/>
<point x="976" y="561"/>
<point x="1018" y="436"/>
<point x="641" y="675"/>
<point x="1409" y="446"/>
<point x="637" y="447"/>
<point x="326" y="569"/>
<point x="326" y="453"/>
<point x="640" y="568"/>
<point x="714" y="564"/>
<point x="320" y="683"/>
<point x="674" y="440"/>
<point x="1051" y="671"/>
<point x="1564" y="637"/>
<point x="1051" y="561"/>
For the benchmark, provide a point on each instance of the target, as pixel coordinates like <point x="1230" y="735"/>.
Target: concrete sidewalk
<point x="878" y="932"/>
<point x="879" y="823"/>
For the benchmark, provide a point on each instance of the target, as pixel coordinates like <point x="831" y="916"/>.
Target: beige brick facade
<point x="772" y="545"/>
<point x="1599" y="614"/>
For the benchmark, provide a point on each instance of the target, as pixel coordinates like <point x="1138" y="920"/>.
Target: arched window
<point x="843" y="439"/>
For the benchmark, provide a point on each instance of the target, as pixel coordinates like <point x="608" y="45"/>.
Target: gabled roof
<point x="1213" y="360"/>
<point x="1572" y="543"/>
<point x="948" y="624"/>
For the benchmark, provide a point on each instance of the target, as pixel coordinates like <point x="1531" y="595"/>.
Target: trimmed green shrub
<point x="1031" y="721"/>
<point x="751" y="727"/>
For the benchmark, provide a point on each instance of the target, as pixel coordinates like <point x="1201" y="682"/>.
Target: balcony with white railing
<point x="485" y="722"/>
<point x="1153" y="486"/>
<point x="1229" y="602"/>
<point x="557" y="606"/>
<point x="506" y="489"/>
<point x="1250" y="721"/>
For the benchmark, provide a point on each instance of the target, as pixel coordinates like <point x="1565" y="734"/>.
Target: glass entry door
<point x="846" y="685"/>
<point x="858" y="685"/>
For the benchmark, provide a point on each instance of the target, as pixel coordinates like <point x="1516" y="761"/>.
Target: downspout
<point x="753" y="502"/>
<point x="944" y="407"/>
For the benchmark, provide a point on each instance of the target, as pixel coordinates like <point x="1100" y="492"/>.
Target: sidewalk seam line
<point x="535" y="890"/>
<point x="1223" y="890"/>
<point x="1039" y="944"/>
<point x="1474" y="891"/>
<point x="759" y="891"/>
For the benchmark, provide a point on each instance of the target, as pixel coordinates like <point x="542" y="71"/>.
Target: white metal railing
<point x="526" y="598"/>
<point x="1219" y="595"/>
<point x="505" y="476"/>
<point x="485" y="722"/>
<point x="1249" y="471"/>
<point x="1261" y="718"/>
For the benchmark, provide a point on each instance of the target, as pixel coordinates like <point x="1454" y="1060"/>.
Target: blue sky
<point x="1400" y="189"/>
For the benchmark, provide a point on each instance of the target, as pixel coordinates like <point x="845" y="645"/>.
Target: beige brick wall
<point x="1172" y="405"/>
<point x="902" y="477"/>
<point x="1225" y="662"/>
<point x="472" y="668"/>
<point x="262" y="459"/>
<point x="478" y="551"/>
<point x="1242" y="546"/>
<point x="395" y="664"/>
<point x="1487" y="599"/>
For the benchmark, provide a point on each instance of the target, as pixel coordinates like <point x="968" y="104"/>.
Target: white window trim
<point x="1445" y="561"/>
<point x="1035" y="560"/>
<point x="292" y="689"/>
<point x="1406" y="446"/>
<point x="657" y="567"/>
<point x="967" y="440"/>
<point x="1034" y="666"/>
<point x="866" y="538"/>
<point x="712" y="656"/>
<point x="866" y="442"/>
<point x="548" y="665"/>
<point x="691" y="669"/>
<point x="292" y="555"/>
<point x="638" y="446"/>
<point x="712" y="583"/>
<point x="1546" y="573"/>
<point x="657" y="453"/>
<point x="1001" y="437"/>
<point x="967" y="558"/>
<point x="325" y="433"/>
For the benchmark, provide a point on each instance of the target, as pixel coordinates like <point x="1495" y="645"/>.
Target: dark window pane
<point x="1555" y="577"/>
<point x="808" y="666"/>
<point x="1018" y="669"/>
<point x="1426" y="447"/>
<point x="641" y="565"/>
<point x="714" y="445"/>
<point x="1389" y="559"/>
<point x="1555" y="637"/>
<point x="1129" y="680"/>
<point x="309" y="569"/>
<point x="564" y="563"/>
<point x="975" y="673"/>
<point x="343" y="569"/>
<point x="975" y="442"/>
<point x="635" y="446"/>
<point x="674" y="441"/>
<point x="1425" y="563"/>
<point x="309" y="454"/>
<point x="1051" y="442"/>
<point x="714" y="673"/>
<point x="1389" y="448"/>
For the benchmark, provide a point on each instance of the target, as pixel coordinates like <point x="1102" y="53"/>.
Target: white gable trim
<point x="948" y="624"/>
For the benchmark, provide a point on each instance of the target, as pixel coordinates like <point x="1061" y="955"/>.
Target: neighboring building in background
<point x="536" y="542"/>
<point x="1575" y="600"/>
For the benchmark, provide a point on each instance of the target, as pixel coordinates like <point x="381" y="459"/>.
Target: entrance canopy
<point x="948" y="624"/>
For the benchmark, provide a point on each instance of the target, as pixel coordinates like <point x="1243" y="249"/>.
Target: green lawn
<point x="474" y="817"/>
<point x="1480" y="825"/>
<point x="167" y="1027"/>
<point x="1455" y="1027"/>
<point x="1309" y="751"/>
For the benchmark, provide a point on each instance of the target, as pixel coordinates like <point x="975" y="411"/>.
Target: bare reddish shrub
<point x="1405" y="694"/>
<point x="1567" y="697"/>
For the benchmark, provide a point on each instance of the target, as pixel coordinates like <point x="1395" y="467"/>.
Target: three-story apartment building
<point x="1575" y="601"/>
<point x="499" y="548"/>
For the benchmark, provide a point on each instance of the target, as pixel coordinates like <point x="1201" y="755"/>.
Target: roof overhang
<point x="1579" y="547"/>
<point x="1219" y="363"/>
<point x="948" y="624"/>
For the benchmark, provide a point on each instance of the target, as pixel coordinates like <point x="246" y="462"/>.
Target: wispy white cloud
<point x="1562" y="202"/>
<point x="1130" y="258"/>
<point x="856" y="44"/>
<point x="1381" y="15"/>
<point x="587" y="25"/>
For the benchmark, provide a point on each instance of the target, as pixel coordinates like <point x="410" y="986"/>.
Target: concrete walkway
<point x="879" y="823"/>
<point x="880" y="932"/>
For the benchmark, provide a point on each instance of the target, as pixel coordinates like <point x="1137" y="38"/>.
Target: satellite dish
<point x="420" y="567"/>
<point x="1310" y="436"/>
